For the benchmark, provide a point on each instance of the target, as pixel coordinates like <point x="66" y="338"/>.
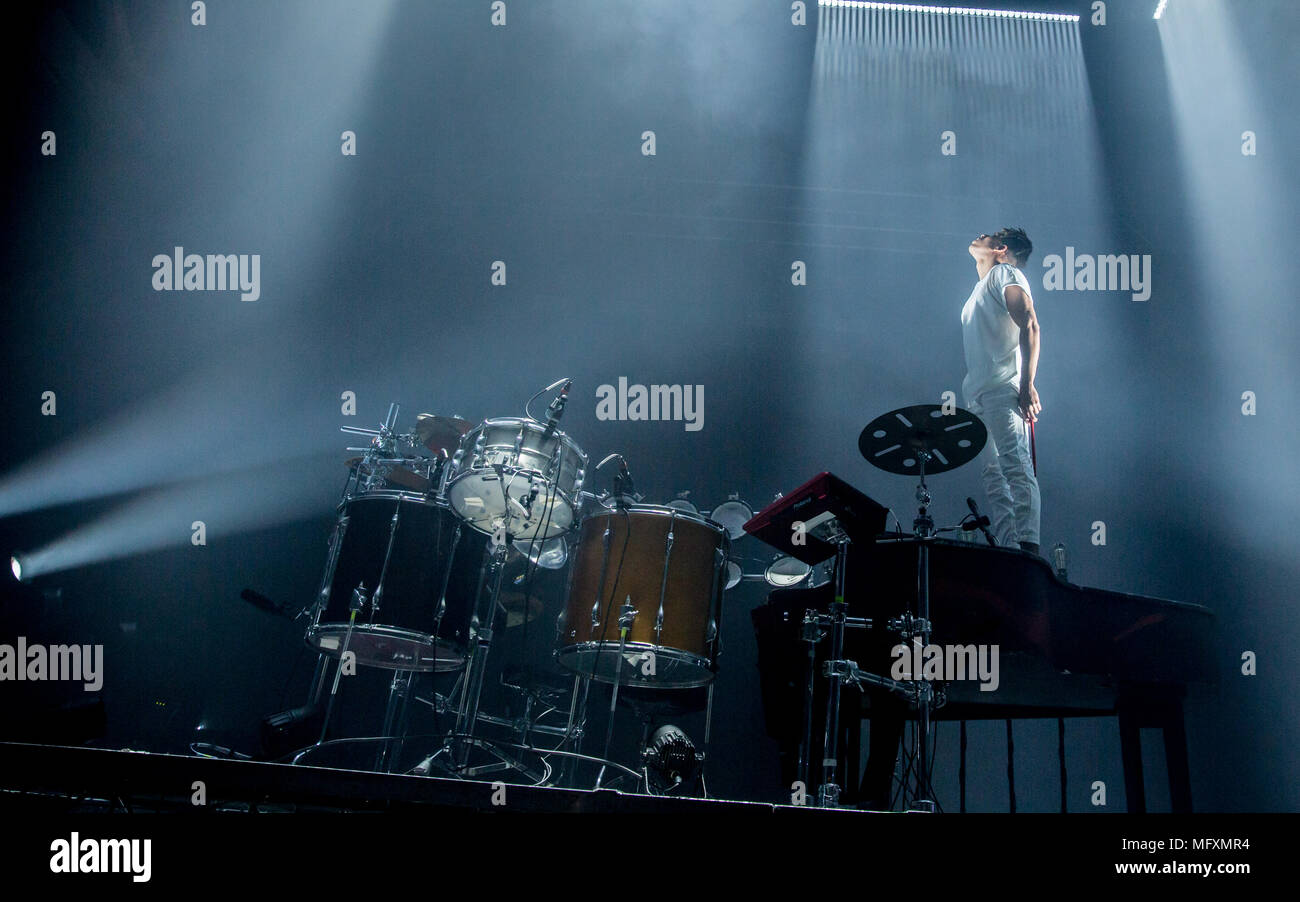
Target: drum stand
<point x="626" y="615"/>
<point x="359" y="601"/>
<point x="484" y="619"/>
<point x="575" y="728"/>
<point x="919" y="690"/>
<point x="815" y="626"/>
<point x="395" y="721"/>
<point x="920" y="626"/>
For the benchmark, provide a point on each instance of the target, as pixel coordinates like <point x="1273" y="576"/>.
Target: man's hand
<point x="1030" y="406"/>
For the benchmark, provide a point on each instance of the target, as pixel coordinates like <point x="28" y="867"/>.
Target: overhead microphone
<point x="556" y="409"/>
<point x="258" y="600"/>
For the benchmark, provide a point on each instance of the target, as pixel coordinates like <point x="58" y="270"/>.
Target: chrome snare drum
<point x="509" y="471"/>
<point x="672" y="564"/>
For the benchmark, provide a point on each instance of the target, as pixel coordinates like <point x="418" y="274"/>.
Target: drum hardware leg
<point x="528" y="717"/>
<point x="708" y="730"/>
<point x="476" y="672"/>
<point x="574" y="729"/>
<point x="331" y="564"/>
<point x="442" y="596"/>
<point x="395" y="719"/>
<point x="812" y="634"/>
<point x="359" y="601"/>
<point x="318" y="678"/>
<point x="923" y="525"/>
<point x="828" y="793"/>
<point x="625" y="617"/>
<point x="471" y="667"/>
<point x="645" y="755"/>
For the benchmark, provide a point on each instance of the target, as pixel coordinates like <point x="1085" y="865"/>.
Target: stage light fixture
<point x="952" y="10"/>
<point x="16" y="566"/>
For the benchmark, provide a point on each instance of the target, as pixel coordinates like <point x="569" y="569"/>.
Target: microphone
<point x="981" y="523"/>
<point x="556" y="410"/>
<point x="259" y="600"/>
<point x="624" y="479"/>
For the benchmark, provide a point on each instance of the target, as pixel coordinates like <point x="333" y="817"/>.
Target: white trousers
<point x="1009" y="481"/>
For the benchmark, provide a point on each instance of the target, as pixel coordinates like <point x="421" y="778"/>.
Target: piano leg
<point x="1130" y="741"/>
<point x="1161" y="707"/>
<point x="1180" y="781"/>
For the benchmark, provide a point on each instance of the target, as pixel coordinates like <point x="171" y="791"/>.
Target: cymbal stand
<point x="923" y="525"/>
<point x="384" y="438"/>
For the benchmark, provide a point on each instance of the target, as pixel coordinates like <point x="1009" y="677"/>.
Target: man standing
<point x="1000" y="336"/>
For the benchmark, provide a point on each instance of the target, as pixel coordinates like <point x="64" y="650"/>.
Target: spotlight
<point x="17" y="567"/>
<point x="1160" y="9"/>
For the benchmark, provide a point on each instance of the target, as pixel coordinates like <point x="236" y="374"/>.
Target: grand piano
<point x="1064" y="650"/>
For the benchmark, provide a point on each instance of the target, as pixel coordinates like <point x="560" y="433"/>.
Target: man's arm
<point x="1021" y="308"/>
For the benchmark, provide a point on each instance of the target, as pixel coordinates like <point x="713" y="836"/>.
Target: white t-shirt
<point x="989" y="335"/>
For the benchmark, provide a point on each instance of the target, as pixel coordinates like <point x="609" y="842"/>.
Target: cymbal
<point x="894" y="441"/>
<point x="438" y="433"/>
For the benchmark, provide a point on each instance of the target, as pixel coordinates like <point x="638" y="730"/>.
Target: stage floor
<point x="63" y="778"/>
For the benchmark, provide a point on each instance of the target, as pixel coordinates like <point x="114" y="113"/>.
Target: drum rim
<point x="676" y="655"/>
<point x="662" y="510"/>
<point x="415" y="637"/>
<point x="728" y="584"/>
<point x="767" y="571"/>
<point x="397" y="495"/>
<point x="527" y="421"/>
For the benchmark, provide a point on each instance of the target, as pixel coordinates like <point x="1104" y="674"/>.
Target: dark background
<point x="522" y="143"/>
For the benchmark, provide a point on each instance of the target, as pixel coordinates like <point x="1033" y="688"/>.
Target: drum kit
<point x="442" y="539"/>
<point x="441" y="533"/>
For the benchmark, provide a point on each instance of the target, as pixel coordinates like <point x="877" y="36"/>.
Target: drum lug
<point x="663" y="581"/>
